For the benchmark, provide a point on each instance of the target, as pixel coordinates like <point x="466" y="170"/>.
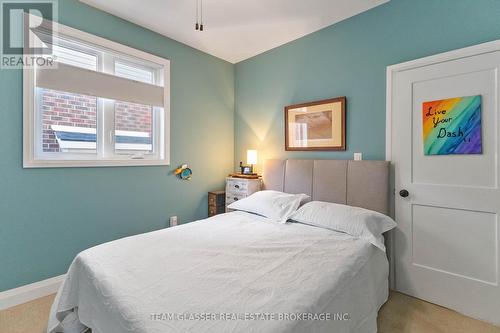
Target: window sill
<point x="92" y="164"/>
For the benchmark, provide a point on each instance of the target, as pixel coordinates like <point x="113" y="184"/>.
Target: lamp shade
<point x="252" y="157"/>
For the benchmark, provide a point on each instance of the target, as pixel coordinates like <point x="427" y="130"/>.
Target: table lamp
<point x="251" y="159"/>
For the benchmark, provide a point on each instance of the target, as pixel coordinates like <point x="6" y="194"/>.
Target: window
<point x="104" y="105"/>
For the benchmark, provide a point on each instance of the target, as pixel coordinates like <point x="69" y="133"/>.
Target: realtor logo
<point x="27" y="33"/>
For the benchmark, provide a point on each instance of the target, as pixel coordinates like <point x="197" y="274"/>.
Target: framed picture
<point x="316" y="125"/>
<point x="452" y="126"/>
<point x="246" y="170"/>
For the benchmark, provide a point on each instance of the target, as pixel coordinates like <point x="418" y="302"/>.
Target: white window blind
<point x="87" y="82"/>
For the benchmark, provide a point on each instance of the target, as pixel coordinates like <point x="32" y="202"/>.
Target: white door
<point x="446" y="242"/>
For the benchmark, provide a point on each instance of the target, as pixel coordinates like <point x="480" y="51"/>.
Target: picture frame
<point x="452" y="126"/>
<point x="316" y="126"/>
<point x="246" y="170"/>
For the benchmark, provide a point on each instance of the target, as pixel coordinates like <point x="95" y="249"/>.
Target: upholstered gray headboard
<point x="356" y="183"/>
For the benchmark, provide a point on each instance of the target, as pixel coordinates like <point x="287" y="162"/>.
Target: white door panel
<point x="446" y="243"/>
<point x="468" y="248"/>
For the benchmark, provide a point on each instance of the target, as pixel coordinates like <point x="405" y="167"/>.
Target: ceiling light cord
<point x="196" y="26"/>
<point x="201" y="16"/>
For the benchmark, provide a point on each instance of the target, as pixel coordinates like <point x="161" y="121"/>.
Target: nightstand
<point x="239" y="188"/>
<point x="216" y="202"/>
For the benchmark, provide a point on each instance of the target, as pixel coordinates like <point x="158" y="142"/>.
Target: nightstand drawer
<point x="232" y="197"/>
<point x="236" y="186"/>
<point x="215" y="200"/>
<point x="212" y="210"/>
<point x="239" y="188"/>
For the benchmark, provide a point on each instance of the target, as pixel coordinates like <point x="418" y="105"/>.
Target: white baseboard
<point x="30" y="292"/>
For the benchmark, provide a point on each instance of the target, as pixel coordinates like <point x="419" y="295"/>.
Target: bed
<point x="239" y="272"/>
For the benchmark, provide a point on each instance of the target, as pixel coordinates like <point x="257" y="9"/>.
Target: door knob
<point x="404" y="193"/>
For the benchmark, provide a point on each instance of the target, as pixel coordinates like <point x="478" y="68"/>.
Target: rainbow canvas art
<point x="452" y="126"/>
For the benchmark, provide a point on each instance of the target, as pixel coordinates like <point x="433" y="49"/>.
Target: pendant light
<point x="199" y="18"/>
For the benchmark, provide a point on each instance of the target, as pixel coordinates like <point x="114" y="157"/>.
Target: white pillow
<point x="358" y="222"/>
<point x="275" y="205"/>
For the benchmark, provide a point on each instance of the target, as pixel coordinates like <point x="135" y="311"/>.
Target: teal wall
<point x="48" y="215"/>
<point x="350" y="59"/>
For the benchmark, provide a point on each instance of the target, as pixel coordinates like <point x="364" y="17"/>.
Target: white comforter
<point x="231" y="265"/>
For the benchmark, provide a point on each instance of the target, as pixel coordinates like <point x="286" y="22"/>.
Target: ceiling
<point x="235" y="29"/>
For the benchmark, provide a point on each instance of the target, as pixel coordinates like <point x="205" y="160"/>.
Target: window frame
<point x="161" y="131"/>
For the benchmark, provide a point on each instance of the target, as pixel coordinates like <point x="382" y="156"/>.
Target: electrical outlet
<point x="358" y="156"/>
<point x="173" y="221"/>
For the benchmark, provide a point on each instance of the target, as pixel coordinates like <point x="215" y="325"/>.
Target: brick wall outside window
<point x="62" y="108"/>
<point x="133" y="117"/>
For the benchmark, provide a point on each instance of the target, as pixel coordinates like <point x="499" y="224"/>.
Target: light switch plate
<point x="173" y="221"/>
<point x="358" y="156"/>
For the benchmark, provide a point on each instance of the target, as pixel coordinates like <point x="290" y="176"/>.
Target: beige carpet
<point x="406" y="314"/>
<point x="29" y="317"/>
<point x="401" y="314"/>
